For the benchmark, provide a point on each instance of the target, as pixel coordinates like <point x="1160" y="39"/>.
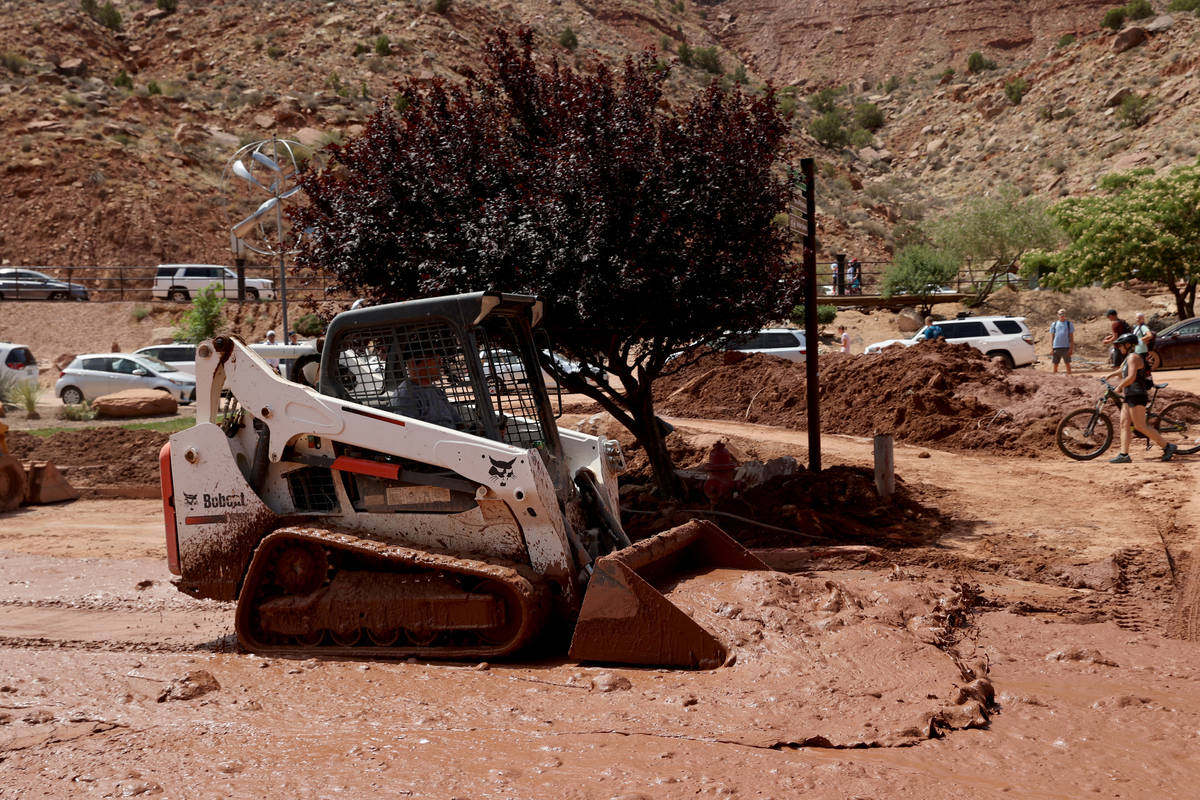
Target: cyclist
<point x="1136" y="381"/>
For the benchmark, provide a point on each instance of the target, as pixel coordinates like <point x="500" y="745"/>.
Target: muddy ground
<point x="114" y="684"/>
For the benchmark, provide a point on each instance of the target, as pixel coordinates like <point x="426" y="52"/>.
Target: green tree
<point x="646" y="229"/>
<point x="707" y="59"/>
<point x="1015" y="90"/>
<point x="977" y="62"/>
<point x="996" y="229"/>
<point x="868" y="116"/>
<point x="829" y="130"/>
<point x="1114" y="18"/>
<point x="1139" y="9"/>
<point x="825" y="100"/>
<point x="203" y="320"/>
<point x="568" y="39"/>
<point x="918" y="271"/>
<point x="1148" y="230"/>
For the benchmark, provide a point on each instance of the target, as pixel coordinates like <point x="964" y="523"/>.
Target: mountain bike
<point x="1085" y="433"/>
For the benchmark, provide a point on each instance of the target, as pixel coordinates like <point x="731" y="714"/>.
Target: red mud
<point x="96" y="456"/>
<point x="947" y="395"/>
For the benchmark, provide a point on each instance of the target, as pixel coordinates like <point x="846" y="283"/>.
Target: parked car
<point x="17" y="364"/>
<point x="1006" y="337"/>
<point x="179" y="355"/>
<point x="179" y="281"/>
<point x="28" y="284"/>
<point x="1177" y="346"/>
<point x="90" y="376"/>
<point x="783" y="342"/>
<point x="502" y="368"/>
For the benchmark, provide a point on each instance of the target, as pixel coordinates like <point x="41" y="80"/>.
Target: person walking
<point x="1144" y="335"/>
<point x="1135" y="381"/>
<point x="844" y="338"/>
<point x="274" y="362"/>
<point x="1119" y="328"/>
<point x="1062" y="340"/>
<point x="933" y="332"/>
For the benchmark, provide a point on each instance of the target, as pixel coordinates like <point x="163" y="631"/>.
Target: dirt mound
<point x="96" y="456"/>
<point x="946" y="395"/>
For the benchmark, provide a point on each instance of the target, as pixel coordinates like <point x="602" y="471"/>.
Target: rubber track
<point x="531" y="595"/>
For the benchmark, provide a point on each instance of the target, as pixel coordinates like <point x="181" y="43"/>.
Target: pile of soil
<point x="96" y="456"/>
<point x="947" y="395"/>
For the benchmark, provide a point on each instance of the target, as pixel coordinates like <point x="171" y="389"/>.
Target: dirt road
<point x="114" y="684"/>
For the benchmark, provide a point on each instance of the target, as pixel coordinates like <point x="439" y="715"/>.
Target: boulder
<point x="135" y="403"/>
<point x="1117" y="97"/>
<point x="1160" y="24"/>
<point x="72" y="66"/>
<point x="164" y="335"/>
<point x="909" y="321"/>
<point x="1129" y="39"/>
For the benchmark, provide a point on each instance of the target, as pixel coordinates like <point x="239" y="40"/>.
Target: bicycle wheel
<point x="1179" y="423"/>
<point x="1084" y="434"/>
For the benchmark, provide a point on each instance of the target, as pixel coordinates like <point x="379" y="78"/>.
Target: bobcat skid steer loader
<point x="420" y="501"/>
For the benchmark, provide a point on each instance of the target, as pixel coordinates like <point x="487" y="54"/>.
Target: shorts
<point x="1061" y="354"/>
<point x="1136" y="398"/>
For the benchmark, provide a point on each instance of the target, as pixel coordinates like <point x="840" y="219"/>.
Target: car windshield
<point x="158" y="366"/>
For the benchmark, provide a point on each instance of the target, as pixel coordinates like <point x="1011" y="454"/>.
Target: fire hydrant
<point x="720" y="468"/>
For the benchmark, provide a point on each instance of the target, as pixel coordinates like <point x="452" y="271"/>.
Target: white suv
<point x="783" y="342"/>
<point x="179" y="281"/>
<point x="1006" y="337"/>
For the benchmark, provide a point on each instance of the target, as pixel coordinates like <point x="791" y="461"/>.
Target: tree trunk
<point x="654" y="439"/>
<point x="1185" y="299"/>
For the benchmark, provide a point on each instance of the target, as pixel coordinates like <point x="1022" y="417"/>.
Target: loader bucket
<point x="627" y="619"/>
<point x="45" y="484"/>
<point x="12" y="483"/>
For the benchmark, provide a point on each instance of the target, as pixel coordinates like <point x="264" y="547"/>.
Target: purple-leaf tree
<point x="646" y="230"/>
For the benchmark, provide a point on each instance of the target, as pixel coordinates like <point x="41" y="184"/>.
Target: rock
<point x="164" y="335"/>
<point x="72" y="66"/>
<point x="1081" y="654"/>
<point x="1129" y="39"/>
<point x="611" y="682"/>
<point x="266" y="121"/>
<point x="991" y="107"/>
<point x="61" y="362"/>
<point x="1115" y="98"/>
<point x="195" y="683"/>
<point x="135" y="403"/>
<point x="310" y="137"/>
<point x="958" y="91"/>
<point x="1160" y="24"/>
<point x="909" y="321"/>
<point x="934" y="145"/>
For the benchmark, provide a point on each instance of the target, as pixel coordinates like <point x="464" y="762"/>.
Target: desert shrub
<point x="153" y="88"/>
<point x="168" y="5"/>
<point x="706" y="58"/>
<point x="203" y="320"/>
<point x="383" y="45"/>
<point x="829" y="130"/>
<point x="825" y="314"/>
<point x="440" y="6"/>
<point x="893" y="83"/>
<point x="274" y="51"/>
<point x="685" y="54"/>
<point x="1134" y="110"/>
<point x="79" y="413"/>
<point x="665" y="43"/>
<point x="867" y="115"/>
<point x="107" y="15"/>
<point x="1015" y="89"/>
<point x="25" y="394"/>
<point x="8" y="383"/>
<point x="740" y="75"/>
<point x="1184" y="5"/>
<point x="787" y="104"/>
<point x="861" y="137"/>
<point x="946" y="74"/>
<point x="568" y="39"/>
<point x="123" y="81"/>
<point x="978" y="62"/>
<point x="139" y="312"/>
<point x="824" y="100"/>
<point x="1138" y="9"/>
<point x="13" y="62"/>
<point x="309" y="325"/>
<point x="1069" y="38"/>
<point x="1114" y="18"/>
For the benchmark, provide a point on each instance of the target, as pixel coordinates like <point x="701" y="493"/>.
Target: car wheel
<point x="1154" y="360"/>
<point x="179" y="295"/>
<point x="58" y="296"/>
<point x="71" y="396"/>
<point x="1004" y="354"/>
<point x="252" y="295"/>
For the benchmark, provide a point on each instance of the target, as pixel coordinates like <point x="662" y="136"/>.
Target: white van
<point x="179" y="281"/>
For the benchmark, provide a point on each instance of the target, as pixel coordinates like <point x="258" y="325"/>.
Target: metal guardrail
<point x="836" y="283"/>
<point x="112" y="284"/>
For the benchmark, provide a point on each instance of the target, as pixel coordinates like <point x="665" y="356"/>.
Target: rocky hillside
<point x="114" y="139"/>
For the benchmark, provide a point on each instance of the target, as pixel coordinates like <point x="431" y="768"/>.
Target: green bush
<point x="977" y="62"/>
<point x="665" y="43"/>
<point x="441" y="6"/>
<point x="893" y="83"/>
<point x="1184" y="5"/>
<point x="1114" y="18"/>
<point x="946" y="75"/>
<point x="825" y="314"/>
<point x="861" y="137"/>
<point x="1015" y="89"/>
<point x="106" y="15"/>
<point x="383" y="45"/>
<point x="123" y="81"/>
<point x="706" y="58"/>
<point x="25" y="394"/>
<point x="786" y="103"/>
<point x="13" y="62"/>
<point x="824" y="100"/>
<point x="79" y="413"/>
<point x="917" y="267"/>
<point x="1069" y="38"/>
<point x="153" y="88"/>
<point x="1135" y="110"/>
<point x="740" y="76"/>
<point x="685" y="54"/>
<point x="1138" y="9"/>
<point x="274" y="51"/>
<point x="309" y="325"/>
<point x="568" y="39"/>
<point x="139" y="312"/>
<point x="203" y="320"/>
<point x="868" y="116"/>
<point x="168" y="5"/>
<point x="829" y="130"/>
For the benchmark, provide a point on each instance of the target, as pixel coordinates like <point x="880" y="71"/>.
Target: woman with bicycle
<point x="1136" y="381"/>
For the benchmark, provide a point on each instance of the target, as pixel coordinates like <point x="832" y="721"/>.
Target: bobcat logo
<point x="190" y="499"/>
<point x="501" y="470"/>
